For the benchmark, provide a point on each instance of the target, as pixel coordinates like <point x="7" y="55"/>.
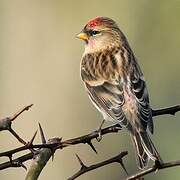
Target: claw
<point x="99" y="137"/>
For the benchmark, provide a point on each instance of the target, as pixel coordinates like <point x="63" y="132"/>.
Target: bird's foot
<point x="99" y="137"/>
<point x="158" y="163"/>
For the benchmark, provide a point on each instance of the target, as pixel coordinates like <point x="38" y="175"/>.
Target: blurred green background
<point x="39" y="63"/>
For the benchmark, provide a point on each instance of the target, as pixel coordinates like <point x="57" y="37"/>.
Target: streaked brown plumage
<point x="115" y="83"/>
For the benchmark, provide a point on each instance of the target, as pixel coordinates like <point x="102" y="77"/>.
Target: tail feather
<point x="144" y="148"/>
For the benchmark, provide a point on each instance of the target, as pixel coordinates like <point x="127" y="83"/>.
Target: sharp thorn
<point x="80" y="161"/>
<point x="92" y="146"/>
<point x="43" y="139"/>
<point x="122" y="164"/>
<point x="32" y="139"/>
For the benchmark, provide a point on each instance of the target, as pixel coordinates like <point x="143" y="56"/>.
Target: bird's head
<point x="100" y="33"/>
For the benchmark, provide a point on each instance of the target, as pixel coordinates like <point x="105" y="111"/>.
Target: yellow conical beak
<point x="82" y="36"/>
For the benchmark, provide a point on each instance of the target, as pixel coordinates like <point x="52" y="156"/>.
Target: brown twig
<point x="154" y="169"/>
<point x="62" y="144"/>
<point x="5" y="124"/>
<point x="84" y="169"/>
<point x="17" y="136"/>
<point x="86" y="139"/>
<point x="26" y="108"/>
<point x="169" y="110"/>
<point x="17" y="161"/>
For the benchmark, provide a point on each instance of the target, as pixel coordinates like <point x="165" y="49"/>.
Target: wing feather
<point x="109" y="97"/>
<point x="139" y="88"/>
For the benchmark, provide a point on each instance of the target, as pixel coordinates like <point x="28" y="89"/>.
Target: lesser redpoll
<point x="116" y="85"/>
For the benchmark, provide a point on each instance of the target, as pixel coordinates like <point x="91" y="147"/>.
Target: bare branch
<point x="169" y="110"/>
<point x="42" y="152"/>
<point x="17" y="136"/>
<point x="154" y="168"/>
<point x="87" y="138"/>
<point x="26" y="108"/>
<point x="84" y="169"/>
<point x="26" y="147"/>
<point x="16" y="162"/>
<point x="5" y="124"/>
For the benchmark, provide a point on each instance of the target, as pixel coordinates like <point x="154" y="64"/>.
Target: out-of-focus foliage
<point x="39" y="63"/>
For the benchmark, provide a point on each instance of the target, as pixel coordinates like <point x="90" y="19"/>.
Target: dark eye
<point x="93" y="32"/>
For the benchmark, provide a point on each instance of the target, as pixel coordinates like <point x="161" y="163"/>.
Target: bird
<point x="116" y="86"/>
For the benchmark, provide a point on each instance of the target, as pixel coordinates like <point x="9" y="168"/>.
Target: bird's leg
<point x="99" y="131"/>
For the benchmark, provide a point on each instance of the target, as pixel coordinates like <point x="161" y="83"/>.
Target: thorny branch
<point x="6" y="123"/>
<point x="169" y="110"/>
<point x="84" y="168"/>
<point x="53" y="144"/>
<point x="154" y="169"/>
